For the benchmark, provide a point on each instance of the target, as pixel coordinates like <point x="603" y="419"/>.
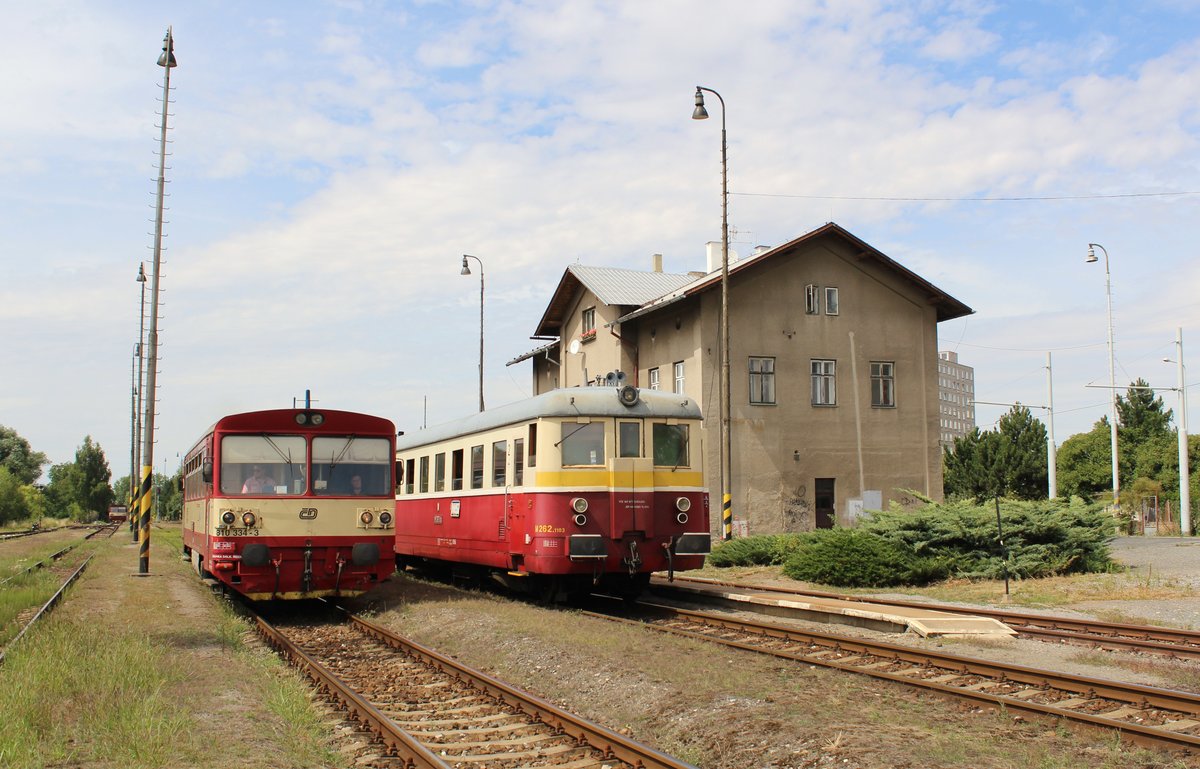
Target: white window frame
<point x="680" y="378"/>
<point x="824" y="381"/>
<point x="654" y="377"/>
<point x="812" y="299"/>
<point x="831" y="300"/>
<point x="588" y="326"/>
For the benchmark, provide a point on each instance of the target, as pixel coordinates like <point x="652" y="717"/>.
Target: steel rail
<point x="855" y="653"/>
<point x="46" y="607"/>
<point x="1153" y="639"/>
<point x="399" y="743"/>
<point x="599" y="737"/>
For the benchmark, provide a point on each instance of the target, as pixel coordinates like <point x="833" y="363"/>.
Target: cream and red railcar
<point x="560" y="493"/>
<point x="292" y="503"/>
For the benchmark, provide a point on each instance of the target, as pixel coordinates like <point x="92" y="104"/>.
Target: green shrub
<point x="850" y="558"/>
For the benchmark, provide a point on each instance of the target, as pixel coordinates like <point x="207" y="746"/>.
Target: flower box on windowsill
<point x="587" y="336"/>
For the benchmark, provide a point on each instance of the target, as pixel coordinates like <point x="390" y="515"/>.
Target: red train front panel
<point x="292" y="503"/>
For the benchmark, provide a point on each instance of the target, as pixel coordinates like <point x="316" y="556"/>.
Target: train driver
<point x="258" y="482"/>
<point x="356" y="485"/>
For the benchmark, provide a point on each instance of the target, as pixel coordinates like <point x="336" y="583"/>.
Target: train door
<point x="630" y="502"/>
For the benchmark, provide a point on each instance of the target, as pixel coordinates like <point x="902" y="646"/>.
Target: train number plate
<point x="237" y="532"/>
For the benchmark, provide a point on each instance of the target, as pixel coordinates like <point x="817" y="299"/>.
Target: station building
<point x="834" y="397"/>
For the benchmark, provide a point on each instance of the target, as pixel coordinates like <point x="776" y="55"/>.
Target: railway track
<point x="428" y="711"/>
<point x="1174" y="643"/>
<point x="1143" y="714"/>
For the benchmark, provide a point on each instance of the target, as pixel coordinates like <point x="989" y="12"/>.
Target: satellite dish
<point x="573" y="347"/>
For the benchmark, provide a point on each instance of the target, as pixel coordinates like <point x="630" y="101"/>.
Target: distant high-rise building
<point x="956" y="397"/>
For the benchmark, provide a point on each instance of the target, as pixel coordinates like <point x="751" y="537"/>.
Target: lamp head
<point x="465" y="269"/>
<point x="699" y="113"/>
<point x="141" y="278"/>
<point x="167" y="59"/>
<point x="1091" y="257"/>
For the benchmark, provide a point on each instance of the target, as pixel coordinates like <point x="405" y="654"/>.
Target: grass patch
<point x="106" y="705"/>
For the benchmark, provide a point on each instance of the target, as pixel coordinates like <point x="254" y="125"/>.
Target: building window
<point x="655" y="384"/>
<point x="824" y="383"/>
<point x="589" y="324"/>
<point x="812" y="299"/>
<point x="762" y="381"/>
<point x="831" y="301"/>
<point x="883" y="383"/>
<point x="679" y="377"/>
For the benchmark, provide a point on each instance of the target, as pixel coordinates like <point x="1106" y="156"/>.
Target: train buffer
<point x="834" y="610"/>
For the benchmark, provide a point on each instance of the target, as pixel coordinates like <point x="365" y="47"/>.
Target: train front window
<point x="629" y="436"/>
<point x="263" y="464"/>
<point x="582" y="443"/>
<point x="352" y="466"/>
<point x="670" y="445"/>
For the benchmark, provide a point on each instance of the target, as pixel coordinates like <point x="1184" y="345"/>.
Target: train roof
<point x="335" y="422"/>
<point x="565" y="402"/>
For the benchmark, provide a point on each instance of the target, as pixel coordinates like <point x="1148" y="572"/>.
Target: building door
<point x="824" y="503"/>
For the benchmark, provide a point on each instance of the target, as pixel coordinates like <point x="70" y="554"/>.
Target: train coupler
<point x="668" y="549"/>
<point x="633" y="561"/>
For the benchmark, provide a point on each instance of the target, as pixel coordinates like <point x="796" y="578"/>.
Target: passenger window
<point x="409" y="475"/>
<point x="533" y="445"/>
<point x="424" y="475"/>
<point x="519" y="462"/>
<point x="439" y="472"/>
<point x="477" y="466"/>
<point x="499" y="463"/>
<point x="456" y="470"/>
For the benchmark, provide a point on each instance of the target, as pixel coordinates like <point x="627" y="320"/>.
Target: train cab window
<point x="263" y="464"/>
<point x="670" y="445"/>
<point x="500" y="463"/>
<point x="519" y="462"/>
<point x="582" y="443"/>
<point x="424" y="487"/>
<point x="629" y="439"/>
<point x="477" y="467"/>
<point x="439" y="472"/>
<point x="347" y="465"/>
<point x="410" y="474"/>
<point x="533" y="445"/>
<point x="456" y="470"/>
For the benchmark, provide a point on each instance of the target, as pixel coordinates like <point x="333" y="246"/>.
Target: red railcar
<point x="560" y="493"/>
<point x="292" y="503"/>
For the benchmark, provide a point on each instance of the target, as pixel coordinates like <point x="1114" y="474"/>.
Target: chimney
<point x="713" y="249"/>
<point x="656" y="262"/>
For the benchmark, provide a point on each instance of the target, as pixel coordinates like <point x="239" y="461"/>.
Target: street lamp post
<point x="726" y="442"/>
<point x="1112" y="371"/>
<point x="166" y="61"/>
<point x="466" y="270"/>
<point x="1185" y="491"/>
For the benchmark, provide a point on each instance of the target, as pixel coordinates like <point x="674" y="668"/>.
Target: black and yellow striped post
<point x="144" y="497"/>
<point x="727" y="516"/>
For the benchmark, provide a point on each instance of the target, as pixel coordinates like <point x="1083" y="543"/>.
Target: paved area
<point x="1175" y="558"/>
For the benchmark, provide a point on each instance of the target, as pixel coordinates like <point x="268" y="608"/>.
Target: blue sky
<point x="332" y="161"/>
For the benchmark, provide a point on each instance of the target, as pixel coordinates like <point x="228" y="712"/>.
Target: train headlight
<point x="681" y="517"/>
<point x="683" y="504"/>
<point x="385" y="518"/>
<point x="317" y="419"/>
<point x="366" y="517"/>
<point x="228" y="517"/>
<point x="248" y="519"/>
<point x="580" y="519"/>
<point x="579" y="505"/>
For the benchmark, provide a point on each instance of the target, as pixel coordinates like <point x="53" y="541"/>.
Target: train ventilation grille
<point x="501" y="530"/>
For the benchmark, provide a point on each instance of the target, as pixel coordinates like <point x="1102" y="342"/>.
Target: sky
<point x="330" y="162"/>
